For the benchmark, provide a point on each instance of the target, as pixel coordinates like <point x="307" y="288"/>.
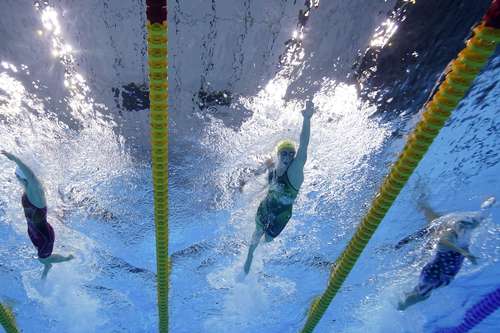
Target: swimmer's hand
<point x="15" y="159"/>
<point x="265" y="167"/>
<point x="8" y="155"/>
<point x="472" y="259"/>
<point x="269" y="163"/>
<point x="309" y="110"/>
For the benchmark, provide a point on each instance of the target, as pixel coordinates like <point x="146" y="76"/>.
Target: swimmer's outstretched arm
<point x="296" y="170"/>
<point x="447" y="240"/>
<point x="416" y="235"/>
<point x="34" y="189"/>
<point x="24" y="168"/>
<point x="421" y="198"/>
<point x="429" y="213"/>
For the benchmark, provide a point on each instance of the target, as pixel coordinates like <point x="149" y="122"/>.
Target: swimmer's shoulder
<point x="447" y="235"/>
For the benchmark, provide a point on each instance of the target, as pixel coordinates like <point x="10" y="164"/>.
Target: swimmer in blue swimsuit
<point x="34" y="204"/>
<point x="285" y="180"/>
<point x="452" y="248"/>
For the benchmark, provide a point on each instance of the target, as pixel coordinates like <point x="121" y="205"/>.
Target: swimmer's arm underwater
<point x="24" y="168"/>
<point x="33" y="187"/>
<point x="446" y="242"/>
<point x="415" y="236"/>
<point x="429" y="213"/>
<point x="265" y="167"/>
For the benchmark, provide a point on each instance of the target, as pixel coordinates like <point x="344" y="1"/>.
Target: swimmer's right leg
<point x="56" y="258"/>
<point x="257" y="235"/>
<point x="46" y="269"/>
<point x="411" y="299"/>
<point x="53" y="259"/>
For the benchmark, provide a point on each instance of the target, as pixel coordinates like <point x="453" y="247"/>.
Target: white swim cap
<point x="469" y="221"/>
<point x="488" y="203"/>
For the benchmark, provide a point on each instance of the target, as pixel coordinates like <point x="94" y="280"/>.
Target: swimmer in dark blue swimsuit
<point x="453" y="246"/>
<point x="285" y="180"/>
<point x="34" y="204"/>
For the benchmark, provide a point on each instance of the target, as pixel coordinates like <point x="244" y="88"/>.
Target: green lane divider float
<point x="7" y="319"/>
<point x="158" y="98"/>
<point x="464" y="69"/>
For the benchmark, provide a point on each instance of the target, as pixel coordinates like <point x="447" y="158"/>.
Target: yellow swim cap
<point x="285" y="144"/>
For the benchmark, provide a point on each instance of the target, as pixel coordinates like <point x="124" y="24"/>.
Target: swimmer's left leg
<point x="257" y="235"/>
<point x="411" y="299"/>
<point x="53" y="259"/>
<point x="46" y="269"/>
<point x="268" y="238"/>
<point x="422" y="291"/>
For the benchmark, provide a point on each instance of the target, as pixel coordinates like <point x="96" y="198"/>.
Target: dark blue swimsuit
<point x="40" y="231"/>
<point x="440" y="271"/>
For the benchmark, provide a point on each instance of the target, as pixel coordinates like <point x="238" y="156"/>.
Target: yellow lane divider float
<point x="158" y="100"/>
<point x="7" y="320"/>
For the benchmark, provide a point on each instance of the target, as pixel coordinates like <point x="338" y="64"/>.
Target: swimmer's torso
<point x="276" y="208"/>
<point x="39" y="230"/>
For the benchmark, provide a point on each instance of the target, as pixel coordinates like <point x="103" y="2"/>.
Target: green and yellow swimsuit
<point x="275" y="210"/>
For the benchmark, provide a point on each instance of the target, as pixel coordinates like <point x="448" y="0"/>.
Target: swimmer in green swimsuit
<point x="285" y="180"/>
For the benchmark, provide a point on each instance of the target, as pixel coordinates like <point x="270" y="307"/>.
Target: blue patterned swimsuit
<point x="440" y="271"/>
